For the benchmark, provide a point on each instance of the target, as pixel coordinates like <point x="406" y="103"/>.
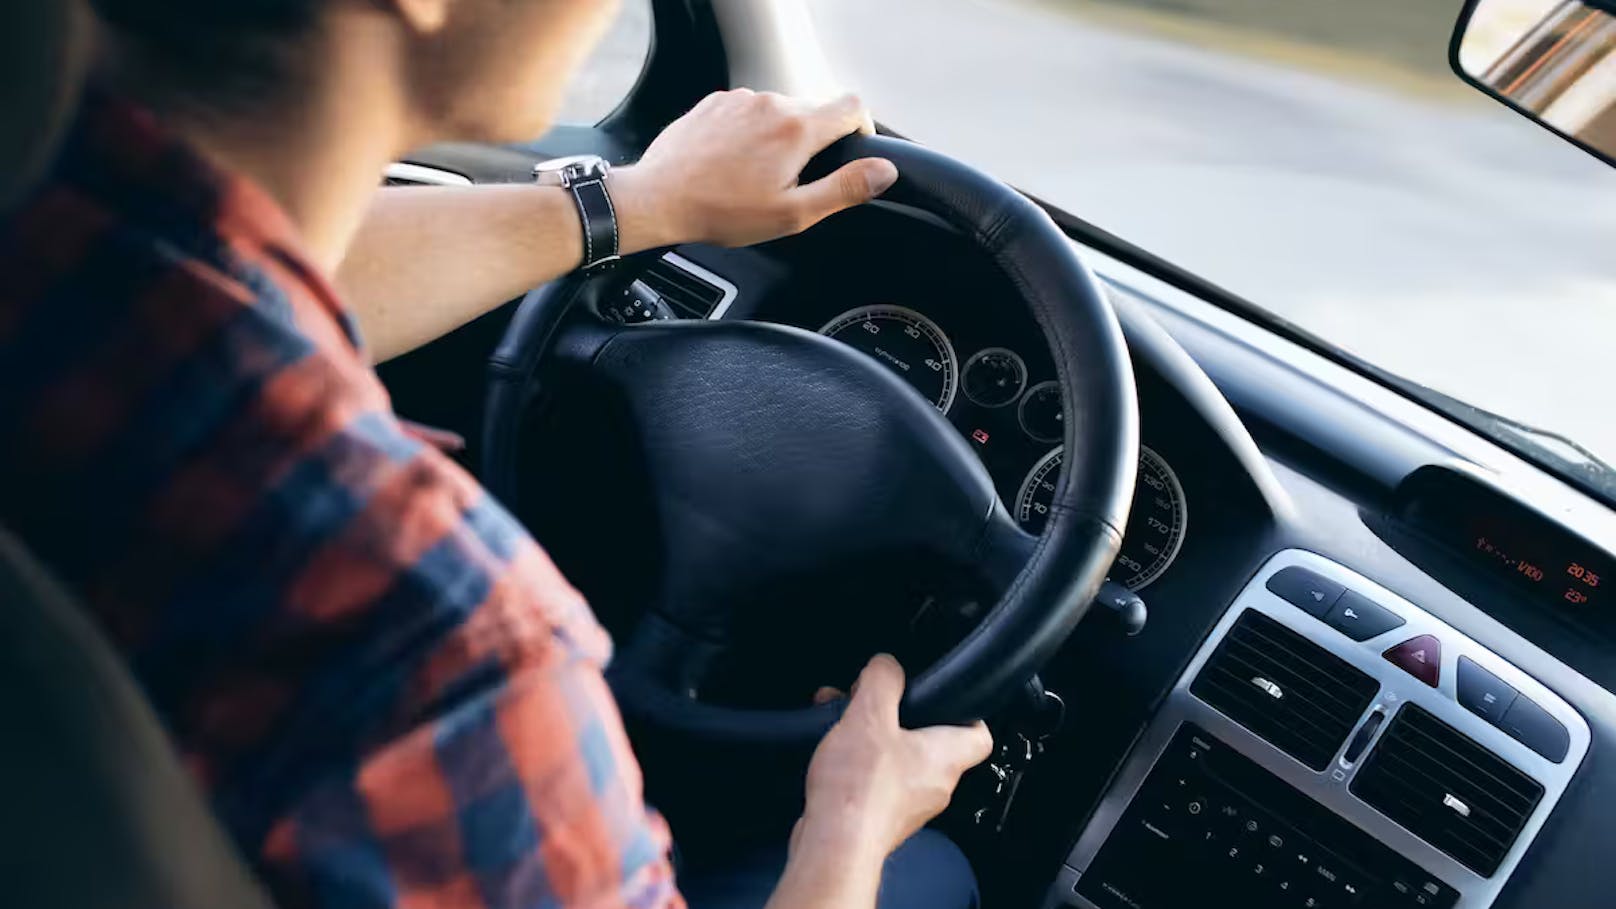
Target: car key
<point x="1008" y="767"/>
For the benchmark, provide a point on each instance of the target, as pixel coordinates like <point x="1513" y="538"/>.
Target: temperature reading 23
<point x="1155" y="524"/>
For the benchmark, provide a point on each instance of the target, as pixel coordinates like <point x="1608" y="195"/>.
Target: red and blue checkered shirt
<point x="389" y="693"/>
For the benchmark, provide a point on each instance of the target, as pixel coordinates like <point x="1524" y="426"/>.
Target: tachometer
<point x="1155" y="523"/>
<point x="907" y="343"/>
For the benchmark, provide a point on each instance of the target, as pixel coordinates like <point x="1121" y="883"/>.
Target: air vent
<point x="693" y="291"/>
<point x="404" y="174"/>
<point x="1291" y="692"/>
<point x="1447" y="790"/>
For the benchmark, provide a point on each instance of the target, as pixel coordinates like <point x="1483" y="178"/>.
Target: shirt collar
<point x="121" y="154"/>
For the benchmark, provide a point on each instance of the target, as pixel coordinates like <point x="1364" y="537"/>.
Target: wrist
<point x="840" y="838"/>
<point x="829" y="866"/>
<point x="644" y="218"/>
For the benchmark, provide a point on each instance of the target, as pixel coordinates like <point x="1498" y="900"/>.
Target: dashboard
<point x="1468" y="598"/>
<point x="948" y="329"/>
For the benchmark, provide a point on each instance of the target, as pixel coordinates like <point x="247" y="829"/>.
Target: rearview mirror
<point x="1553" y="61"/>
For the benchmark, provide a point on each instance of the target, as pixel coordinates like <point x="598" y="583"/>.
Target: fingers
<point x="842" y="117"/>
<point x="853" y="184"/>
<point x="959" y="747"/>
<point x="879" y="689"/>
<point x="826" y="694"/>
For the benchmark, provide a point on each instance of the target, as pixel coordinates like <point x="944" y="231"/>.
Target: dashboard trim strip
<point x="1330" y="788"/>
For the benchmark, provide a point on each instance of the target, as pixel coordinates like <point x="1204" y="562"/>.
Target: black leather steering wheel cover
<point x="1090" y="507"/>
<point x="1095" y="374"/>
<point x="512" y="373"/>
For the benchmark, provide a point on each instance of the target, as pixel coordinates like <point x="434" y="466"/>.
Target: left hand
<point x="726" y="173"/>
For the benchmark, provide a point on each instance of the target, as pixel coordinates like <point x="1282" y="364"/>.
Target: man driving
<point x="389" y="693"/>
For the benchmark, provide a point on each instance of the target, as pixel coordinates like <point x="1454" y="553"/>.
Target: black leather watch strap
<point x="599" y="218"/>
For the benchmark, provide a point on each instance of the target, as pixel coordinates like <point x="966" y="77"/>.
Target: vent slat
<point x="1239" y="687"/>
<point x="1477" y="795"/>
<point x="1463" y="848"/>
<point x="1420" y="762"/>
<point x="1244" y="692"/>
<point x="1297" y="665"/>
<point x="1322" y="696"/>
<point x="1457" y="751"/>
<point x="683" y="290"/>
<point x="1294" y="685"/>
<point x="1412" y="789"/>
<point x="1515" y="794"/>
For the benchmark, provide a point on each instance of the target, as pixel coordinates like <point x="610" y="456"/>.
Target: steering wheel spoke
<point x="1004" y="551"/>
<point x="581" y="337"/>
<point x="662" y="652"/>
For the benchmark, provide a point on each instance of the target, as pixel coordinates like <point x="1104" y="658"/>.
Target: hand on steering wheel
<point x="872" y="784"/>
<point x="877" y="783"/>
<point x="772" y="453"/>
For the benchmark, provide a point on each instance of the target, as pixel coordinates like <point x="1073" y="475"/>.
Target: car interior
<point x="1252" y="621"/>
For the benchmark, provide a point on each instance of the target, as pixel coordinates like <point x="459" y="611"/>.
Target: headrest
<point x="43" y="50"/>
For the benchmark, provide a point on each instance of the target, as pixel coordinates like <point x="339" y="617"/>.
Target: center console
<point x="1331" y="745"/>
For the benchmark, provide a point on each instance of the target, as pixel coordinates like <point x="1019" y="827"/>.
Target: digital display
<point x="1569" y="579"/>
<point x="1503" y="539"/>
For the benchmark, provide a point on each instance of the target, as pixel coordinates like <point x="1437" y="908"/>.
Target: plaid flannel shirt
<point x="389" y="693"/>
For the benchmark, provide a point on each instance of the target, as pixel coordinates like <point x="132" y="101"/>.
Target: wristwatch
<point x="585" y="177"/>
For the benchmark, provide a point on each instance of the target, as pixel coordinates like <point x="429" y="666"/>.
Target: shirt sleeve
<point x="485" y="763"/>
<point x="390" y="694"/>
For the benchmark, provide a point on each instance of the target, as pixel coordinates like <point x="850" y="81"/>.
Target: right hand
<point x="872" y="784"/>
<point x="726" y="173"/>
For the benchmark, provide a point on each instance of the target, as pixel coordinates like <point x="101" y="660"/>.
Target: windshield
<point x="1316" y="157"/>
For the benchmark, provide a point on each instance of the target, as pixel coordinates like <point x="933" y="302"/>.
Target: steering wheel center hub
<point x="774" y="451"/>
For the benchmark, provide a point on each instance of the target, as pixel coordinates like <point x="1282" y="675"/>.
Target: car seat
<point x="96" y="811"/>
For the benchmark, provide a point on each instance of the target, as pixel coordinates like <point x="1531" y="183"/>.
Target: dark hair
<point x="208" y="53"/>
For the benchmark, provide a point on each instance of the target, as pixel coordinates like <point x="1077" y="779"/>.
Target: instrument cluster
<point x="1009" y="407"/>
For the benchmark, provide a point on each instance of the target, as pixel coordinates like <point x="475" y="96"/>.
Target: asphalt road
<point x="1442" y="237"/>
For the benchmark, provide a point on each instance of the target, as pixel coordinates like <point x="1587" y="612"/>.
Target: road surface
<point x="1440" y="236"/>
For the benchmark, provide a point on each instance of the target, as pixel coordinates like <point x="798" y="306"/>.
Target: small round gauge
<point x="1156" y="521"/>
<point x="1042" y="415"/>
<point x="907" y="342"/>
<point x="994" y="377"/>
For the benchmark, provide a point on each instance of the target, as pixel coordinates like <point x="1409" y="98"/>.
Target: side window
<point x="611" y="71"/>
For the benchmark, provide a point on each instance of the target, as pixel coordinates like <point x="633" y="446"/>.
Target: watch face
<point x="564" y="171"/>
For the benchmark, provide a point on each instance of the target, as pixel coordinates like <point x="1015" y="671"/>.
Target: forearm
<point x="429" y="259"/>
<point x="826" y="870"/>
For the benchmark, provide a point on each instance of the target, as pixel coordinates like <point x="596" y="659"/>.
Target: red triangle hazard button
<point x="1420" y="657"/>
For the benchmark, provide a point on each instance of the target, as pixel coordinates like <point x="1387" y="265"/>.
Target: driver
<point x="390" y="694"/>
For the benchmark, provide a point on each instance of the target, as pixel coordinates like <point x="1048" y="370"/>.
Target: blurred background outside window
<point x="612" y="69"/>
<point x="1317" y="157"/>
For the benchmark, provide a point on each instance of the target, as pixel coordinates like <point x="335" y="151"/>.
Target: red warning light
<point x="980" y="435"/>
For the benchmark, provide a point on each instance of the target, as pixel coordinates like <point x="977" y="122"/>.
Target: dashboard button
<point x="1482" y="693"/>
<point x="1361" y="618"/>
<point x="1420" y="657"/>
<point x="1307" y="590"/>
<point x="1532" y="726"/>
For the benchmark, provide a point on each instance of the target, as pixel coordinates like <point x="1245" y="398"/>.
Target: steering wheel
<point x="772" y="452"/>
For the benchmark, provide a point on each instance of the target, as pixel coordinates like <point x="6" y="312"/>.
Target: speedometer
<point x="1156" y="521"/>
<point x="905" y="342"/>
